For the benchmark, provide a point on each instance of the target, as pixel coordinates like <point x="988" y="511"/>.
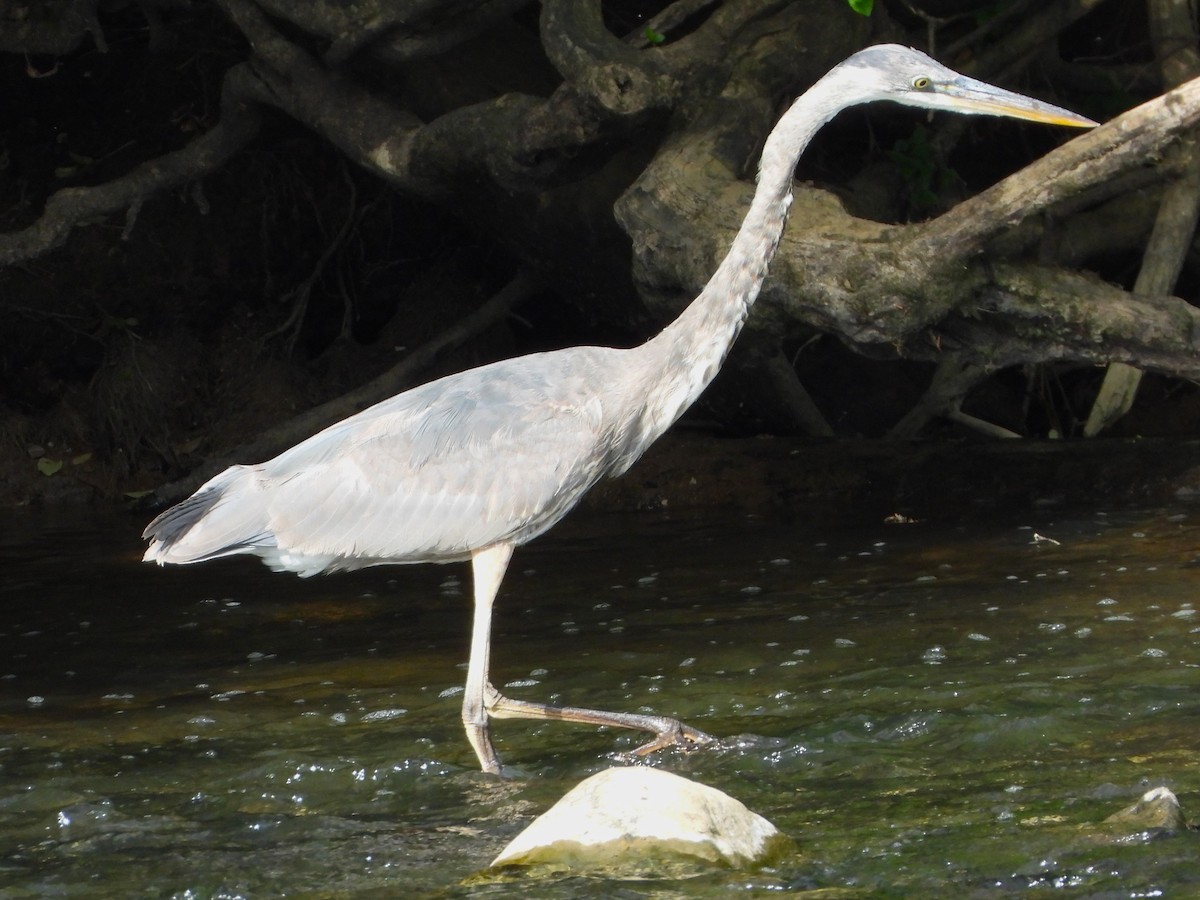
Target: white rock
<point x="643" y="820"/>
<point x="1158" y="808"/>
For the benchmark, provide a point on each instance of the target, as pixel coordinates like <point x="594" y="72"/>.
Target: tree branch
<point x="953" y="379"/>
<point x="393" y="40"/>
<point x="400" y="376"/>
<point x="617" y="77"/>
<point x="75" y="206"/>
<point x="1134" y="139"/>
<point x="1174" y="35"/>
<point x="1034" y="313"/>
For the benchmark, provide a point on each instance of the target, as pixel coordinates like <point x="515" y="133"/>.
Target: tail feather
<point x="223" y="518"/>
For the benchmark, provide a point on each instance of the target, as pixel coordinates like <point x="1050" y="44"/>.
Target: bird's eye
<point x="921" y="83"/>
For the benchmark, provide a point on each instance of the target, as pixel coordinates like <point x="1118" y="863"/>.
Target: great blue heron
<point x="472" y="465"/>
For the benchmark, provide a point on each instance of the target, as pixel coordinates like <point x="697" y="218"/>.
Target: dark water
<point x="939" y="710"/>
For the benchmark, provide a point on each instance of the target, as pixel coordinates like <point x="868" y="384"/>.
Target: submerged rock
<point x="1157" y="810"/>
<point x="646" y="822"/>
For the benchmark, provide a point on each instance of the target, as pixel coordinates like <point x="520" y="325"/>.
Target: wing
<point x="498" y="453"/>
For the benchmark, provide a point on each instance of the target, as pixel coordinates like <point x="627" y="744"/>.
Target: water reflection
<point x="931" y="709"/>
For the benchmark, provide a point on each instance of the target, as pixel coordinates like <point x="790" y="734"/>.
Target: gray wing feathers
<point x="221" y="519"/>
<point x="434" y="490"/>
<point x="499" y="453"/>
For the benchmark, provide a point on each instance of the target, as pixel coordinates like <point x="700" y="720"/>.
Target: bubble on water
<point x="1106" y="601"/>
<point x="1052" y="627"/>
<point x="35" y="700"/>
<point x="1119" y="618"/>
<point x="934" y="654"/>
<point x="383" y="715"/>
<point x="922" y="579"/>
<point x="1082" y="632"/>
<point x="338" y="718"/>
<point x="522" y="683"/>
<point x="752" y="589"/>
<point x="798" y="618"/>
<point x="976" y="636"/>
<point x="647" y="580"/>
<point x="1154" y="653"/>
<point x="1184" y="613"/>
<point x="844" y="642"/>
<point x="690" y="661"/>
<point x="781" y="561"/>
<point x="451" y="691"/>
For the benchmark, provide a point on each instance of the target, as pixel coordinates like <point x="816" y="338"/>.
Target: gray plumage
<point x="478" y="443"/>
<point x="474" y="464"/>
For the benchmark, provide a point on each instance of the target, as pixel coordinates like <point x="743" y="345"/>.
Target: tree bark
<point x="1174" y="36"/>
<point x="615" y="171"/>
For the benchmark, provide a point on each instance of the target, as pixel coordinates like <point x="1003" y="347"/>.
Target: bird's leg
<point x="487" y="567"/>
<point x="482" y="701"/>
<point x="668" y="732"/>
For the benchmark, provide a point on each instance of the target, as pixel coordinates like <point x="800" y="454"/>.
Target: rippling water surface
<point x="930" y="709"/>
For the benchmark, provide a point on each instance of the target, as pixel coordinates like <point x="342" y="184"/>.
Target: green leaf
<point x="862" y="7"/>
<point x="48" y="466"/>
<point x="654" y="37"/>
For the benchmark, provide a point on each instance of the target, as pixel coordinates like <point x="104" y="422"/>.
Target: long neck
<point x="689" y="352"/>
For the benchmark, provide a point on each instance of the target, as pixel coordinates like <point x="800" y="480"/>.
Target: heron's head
<point x="904" y="75"/>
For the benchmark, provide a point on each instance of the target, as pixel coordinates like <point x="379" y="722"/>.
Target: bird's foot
<point x="676" y="734"/>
